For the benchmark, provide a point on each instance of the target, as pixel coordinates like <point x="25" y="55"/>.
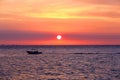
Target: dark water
<point x="63" y="49"/>
<point x="16" y="64"/>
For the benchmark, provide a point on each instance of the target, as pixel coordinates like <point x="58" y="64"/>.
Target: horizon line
<point x="62" y="45"/>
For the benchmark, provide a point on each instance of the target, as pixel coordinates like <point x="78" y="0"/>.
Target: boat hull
<point x="33" y="52"/>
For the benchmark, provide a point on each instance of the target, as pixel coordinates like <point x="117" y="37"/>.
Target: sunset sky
<point x="79" y="22"/>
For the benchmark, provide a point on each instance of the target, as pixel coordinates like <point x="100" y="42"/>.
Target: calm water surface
<point x="16" y="64"/>
<point x="62" y="49"/>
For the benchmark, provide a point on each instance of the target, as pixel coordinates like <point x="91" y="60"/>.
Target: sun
<point x="59" y="37"/>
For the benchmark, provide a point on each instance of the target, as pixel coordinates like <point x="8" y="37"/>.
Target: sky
<point x="79" y="22"/>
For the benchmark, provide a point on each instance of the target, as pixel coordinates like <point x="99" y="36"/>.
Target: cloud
<point x="93" y="37"/>
<point x="97" y="13"/>
<point x="98" y="2"/>
<point x="59" y="8"/>
<point x="24" y="36"/>
<point x="111" y="14"/>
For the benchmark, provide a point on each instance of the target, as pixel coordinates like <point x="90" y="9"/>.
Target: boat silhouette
<point x="33" y="52"/>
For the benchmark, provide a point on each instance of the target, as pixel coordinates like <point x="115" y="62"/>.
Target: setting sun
<point x="59" y="37"/>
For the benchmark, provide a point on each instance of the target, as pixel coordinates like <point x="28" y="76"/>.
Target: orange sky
<point x="80" y="22"/>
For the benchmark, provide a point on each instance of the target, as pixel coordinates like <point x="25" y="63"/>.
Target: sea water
<point x="19" y="49"/>
<point x="16" y="64"/>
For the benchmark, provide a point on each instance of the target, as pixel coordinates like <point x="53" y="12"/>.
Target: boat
<point x="34" y="52"/>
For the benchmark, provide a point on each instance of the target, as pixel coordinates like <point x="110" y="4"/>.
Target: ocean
<point x="7" y="49"/>
<point x="63" y="62"/>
